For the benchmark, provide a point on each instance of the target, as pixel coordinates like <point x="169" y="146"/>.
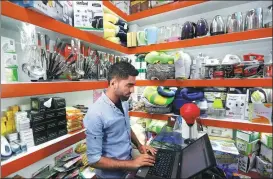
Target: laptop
<point x="188" y="162"/>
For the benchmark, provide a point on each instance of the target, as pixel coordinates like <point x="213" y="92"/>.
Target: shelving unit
<point x="26" y="15"/>
<point x="208" y="83"/>
<point x="224" y="123"/>
<point x="42" y="151"/>
<point x="209" y="40"/>
<point x="40" y="88"/>
<point x="36" y="153"/>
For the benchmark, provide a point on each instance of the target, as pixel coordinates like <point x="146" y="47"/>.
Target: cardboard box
<point x="266" y="139"/>
<point x="40" y="138"/>
<point x="266" y="153"/>
<point x="10" y="59"/>
<point x="264" y="168"/>
<point x="260" y="113"/>
<point x="247" y="136"/>
<point x="7" y="45"/>
<point x="59" y="10"/>
<point x="88" y="15"/>
<point x="36" y="117"/>
<point x="235" y="106"/>
<point x="246" y="163"/>
<point x="220" y="132"/>
<point x="246" y="148"/>
<point x="226" y="155"/>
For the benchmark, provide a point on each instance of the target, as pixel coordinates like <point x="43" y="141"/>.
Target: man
<point x="108" y="131"/>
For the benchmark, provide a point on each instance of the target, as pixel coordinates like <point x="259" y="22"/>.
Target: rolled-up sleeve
<point x="94" y="135"/>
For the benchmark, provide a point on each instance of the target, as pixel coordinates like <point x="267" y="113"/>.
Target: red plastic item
<point x="190" y="112"/>
<point x="253" y="56"/>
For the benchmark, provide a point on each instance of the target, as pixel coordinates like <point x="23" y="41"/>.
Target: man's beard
<point x="124" y="98"/>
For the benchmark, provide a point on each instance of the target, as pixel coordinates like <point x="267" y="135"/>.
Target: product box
<point x="246" y="163"/>
<point x="220" y="132"/>
<point x="62" y="132"/>
<point x="37" y="103"/>
<point x="88" y="15"/>
<point x="266" y="153"/>
<point x="247" y="136"/>
<point x="155" y="3"/>
<point x="59" y="10"/>
<point x="39" y="127"/>
<point x="58" y="103"/>
<point x="40" y="138"/>
<point x="36" y="117"/>
<point x="260" y="113"/>
<point x="210" y="96"/>
<point x="235" y="106"/>
<point x="52" y="134"/>
<point x="10" y="59"/>
<point x="263" y="167"/>
<point x="226" y="155"/>
<point x="7" y="45"/>
<point x="266" y="139"/>
<point x="246" y="148"/>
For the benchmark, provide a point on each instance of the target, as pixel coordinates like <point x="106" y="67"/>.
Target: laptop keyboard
<point x="163" y="165"/>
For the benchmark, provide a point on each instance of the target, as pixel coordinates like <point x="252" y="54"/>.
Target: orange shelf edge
<point x="261" y="82"/>
<point x="26" y="15"/>
<point x="36" y="156"/>
<point x="116" y="10"/>
<point x="40" y="88"/>
<point x="162" y="9"/>
<point x="211" y="122"/>
<point x="209" y="40"/>
<point x="238" y="125"/>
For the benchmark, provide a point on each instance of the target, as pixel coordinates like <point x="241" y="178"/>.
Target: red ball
<point x="190" y="112"/>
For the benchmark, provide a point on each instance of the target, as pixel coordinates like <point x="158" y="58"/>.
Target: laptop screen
<point x="197" y="157"/>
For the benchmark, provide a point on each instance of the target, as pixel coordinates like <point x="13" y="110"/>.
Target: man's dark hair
<point x="121" y="70"/>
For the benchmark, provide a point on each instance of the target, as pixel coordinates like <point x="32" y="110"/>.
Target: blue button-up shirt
<point x="108" y="134"/>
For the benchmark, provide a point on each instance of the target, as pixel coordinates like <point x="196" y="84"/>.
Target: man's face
<point x="125" y="87"/>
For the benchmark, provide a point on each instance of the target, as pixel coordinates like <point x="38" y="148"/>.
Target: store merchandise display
<point x="236" y="22"/>
<point x="115" y="29"/>
<point x="70" y="164"/>
<point x="122" y="5"/>
<point x="59" y="10"/>
<point x="245" y="104"/>
<point x="160" y="66"/>
<point x="88" y="15"/>
<point x="138" y="6"/>
<point x="9" y="62"/>
<point x="61" y="60"/>
<point x="74" y="117"/>
<point x="84" y="15"/>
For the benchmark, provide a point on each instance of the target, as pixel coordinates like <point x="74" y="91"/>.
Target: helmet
<point x="202" y="27"/>
<point x="188" y="30"/>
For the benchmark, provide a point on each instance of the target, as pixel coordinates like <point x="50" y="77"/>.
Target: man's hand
<point x="143" y="160"/>
<point x="143" y="149"/>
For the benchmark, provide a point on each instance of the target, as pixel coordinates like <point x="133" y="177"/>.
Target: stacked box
<point x="248" y="144"/>
<point x="267" y="139"/>
<point x="263" y="167"/>
<point x="226" y="155"/>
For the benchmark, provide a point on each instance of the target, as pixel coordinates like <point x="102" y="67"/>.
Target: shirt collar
<point x="106" y="99"/>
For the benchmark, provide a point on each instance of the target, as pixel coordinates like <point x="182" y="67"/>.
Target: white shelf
<point x="39" y="147"/>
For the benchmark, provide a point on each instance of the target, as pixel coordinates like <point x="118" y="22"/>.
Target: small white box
<point x="7" y="45"/>
<point x="266" y="153"/>
<point x="220" y="132"/>
<point x="235" y="106"/>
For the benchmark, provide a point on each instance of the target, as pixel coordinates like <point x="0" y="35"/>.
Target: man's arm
<point x="94" y="137"/>
<point x="135" y="140"/>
